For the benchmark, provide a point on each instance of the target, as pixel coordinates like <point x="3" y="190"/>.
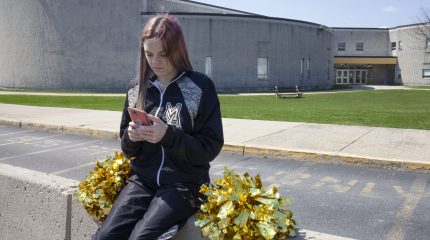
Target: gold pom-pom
<point x="101" y="188"/>
<point x="239" y="207"/>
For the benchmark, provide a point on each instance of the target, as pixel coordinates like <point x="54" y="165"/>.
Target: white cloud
<point x="389" y="9"/>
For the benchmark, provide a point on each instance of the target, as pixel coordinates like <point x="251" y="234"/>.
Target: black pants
<point x="144" y="211"/>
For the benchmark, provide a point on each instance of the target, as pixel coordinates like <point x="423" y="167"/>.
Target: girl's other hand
<point x="155" y="132"/>
<point x="135" y="132"/>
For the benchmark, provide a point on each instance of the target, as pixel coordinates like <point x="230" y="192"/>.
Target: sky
<point x="335" y="13"/>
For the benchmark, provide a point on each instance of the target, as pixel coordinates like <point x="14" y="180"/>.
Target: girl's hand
<point x="135" y="132"/>
<point x="155" y="132"/>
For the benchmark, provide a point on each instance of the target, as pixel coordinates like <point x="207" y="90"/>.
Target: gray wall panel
<point x="84" y="45"/>
<point x="236" y="43"/>
<point x="413" y="56"/>
<point x="376" y="42"/>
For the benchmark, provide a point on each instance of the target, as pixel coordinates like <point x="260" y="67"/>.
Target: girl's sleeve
<point x="129" y="147"/>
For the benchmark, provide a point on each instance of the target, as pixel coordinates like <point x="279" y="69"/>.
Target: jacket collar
<point x="177" y="77"/>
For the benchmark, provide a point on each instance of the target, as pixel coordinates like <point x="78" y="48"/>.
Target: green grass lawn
<point x="90" y="102"/>
<point x="420" y="87"/>
<point x="382" y="108"/>
<point x="388" y="108"/>
<point x="53" y="91"/>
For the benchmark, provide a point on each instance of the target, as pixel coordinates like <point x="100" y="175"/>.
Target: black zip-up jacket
<point x="194" y="137"/>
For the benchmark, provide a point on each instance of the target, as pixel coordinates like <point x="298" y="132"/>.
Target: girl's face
<point x="158" y="60"/>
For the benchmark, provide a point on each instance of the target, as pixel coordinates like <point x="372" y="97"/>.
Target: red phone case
<point x="137" y="115"/>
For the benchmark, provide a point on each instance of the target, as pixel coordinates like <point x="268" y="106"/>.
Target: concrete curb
<point x="102" y="134"/>
<point x="330" y="158"/>
<point x="297" y="154"/>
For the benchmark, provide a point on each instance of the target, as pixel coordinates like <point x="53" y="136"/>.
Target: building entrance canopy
<point x="366" y="60"/>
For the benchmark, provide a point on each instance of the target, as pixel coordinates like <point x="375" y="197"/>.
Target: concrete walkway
<point x="389" y="147"/>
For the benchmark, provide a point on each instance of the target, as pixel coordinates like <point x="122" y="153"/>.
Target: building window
<point x="400" y="46"/>
<point x="302" y="66"/>
<point x="426" y="73"/>
<point x="263" y="66"/>
<point x="208" y="66"/>
<point x="309" y="68"/>
<point x="341" y="46"/>
<point x="428" y="43"/>
<point x="393" y="45"/>
<point x="359" y="46"/>
<point x="328" y="69"/>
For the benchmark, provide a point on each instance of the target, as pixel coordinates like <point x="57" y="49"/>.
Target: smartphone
<point x="138" y="115"/>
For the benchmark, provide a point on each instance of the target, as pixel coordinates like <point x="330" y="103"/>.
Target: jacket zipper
<point x="156" y="114"/>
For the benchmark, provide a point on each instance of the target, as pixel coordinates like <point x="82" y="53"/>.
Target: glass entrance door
<point x="353" y="74"/>
<point x="342" y="76"/>
<point x="363" y="76"/>
<point x="345" y="76"/>
<point x="360" y="77"/>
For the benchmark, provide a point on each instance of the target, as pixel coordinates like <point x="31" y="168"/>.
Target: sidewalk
<point x="388" y="147"/>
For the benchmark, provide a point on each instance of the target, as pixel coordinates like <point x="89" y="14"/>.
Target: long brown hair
<point x="168" y="30"/>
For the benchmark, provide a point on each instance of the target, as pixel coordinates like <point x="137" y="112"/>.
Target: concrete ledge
<point x="36" y="206"/>
<point x="33" y="206"/>
<point x="189" y="231"/>
<point x="82" y="225"/>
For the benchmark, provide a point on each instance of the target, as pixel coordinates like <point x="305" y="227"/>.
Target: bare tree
<point x="422" y="30"/>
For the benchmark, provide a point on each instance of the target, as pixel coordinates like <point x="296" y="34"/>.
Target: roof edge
<point x="359" y="28"/>
<point x="219" y="7"/>
<point x="392" y="28"/>
<point x="241" y="16"/>
<point x="337" y="56"/>
<point x="410" y="25"/>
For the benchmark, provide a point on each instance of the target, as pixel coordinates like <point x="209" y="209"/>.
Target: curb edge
<point x="244" y="150"/>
